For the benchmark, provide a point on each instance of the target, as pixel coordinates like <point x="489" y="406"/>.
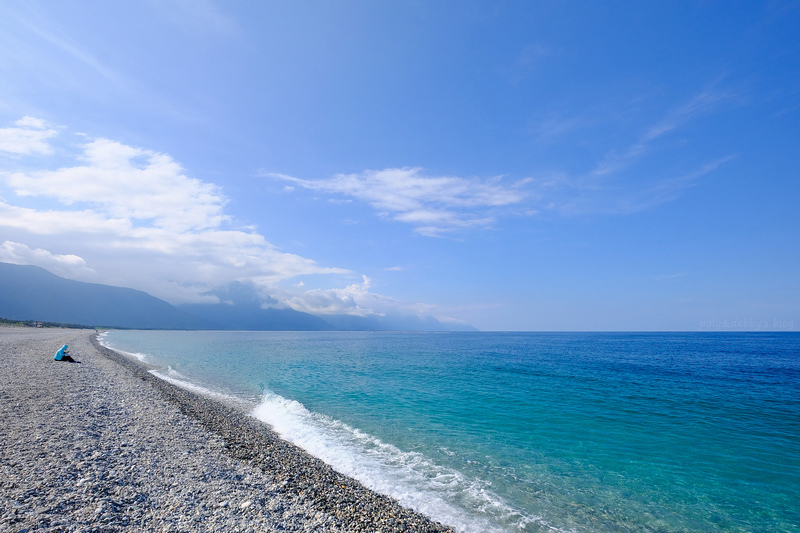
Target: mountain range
<point x="29" y="292"/>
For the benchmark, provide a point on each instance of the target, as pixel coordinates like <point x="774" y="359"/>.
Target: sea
<point x="525" y="432"/>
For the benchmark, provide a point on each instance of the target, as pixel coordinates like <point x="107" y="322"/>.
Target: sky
<point x="539" y="166"/>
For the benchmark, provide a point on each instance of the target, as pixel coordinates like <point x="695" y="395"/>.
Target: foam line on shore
<point x="90" y="447"/>
<point x="410" y="477"/>
<point x="416" y="482"/>
<point x="298" y="472"/>
<point x="102" y="339"/>
<point x="179" y="380"/>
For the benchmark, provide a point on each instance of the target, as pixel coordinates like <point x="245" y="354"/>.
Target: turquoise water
<point x="527" y="431"/>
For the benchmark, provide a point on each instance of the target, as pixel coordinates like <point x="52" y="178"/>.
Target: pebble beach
<point x="106" y="446"/>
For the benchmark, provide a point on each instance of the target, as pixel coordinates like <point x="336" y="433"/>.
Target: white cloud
<point x="355" y="299"/>
<point x="440" y="205"/>
<point x="31" y="122"/>
<point x="130" y="183"/>
<point x="174" y="265"/>
<point x="358" y="299"/>
<point x="29" y="137"/>
<point x="136" y="214"/>
<point x="434" y="204"/>
<point x="69" y="265"/>
<point x="53" y="222"/>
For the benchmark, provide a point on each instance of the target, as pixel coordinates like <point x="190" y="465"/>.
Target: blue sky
<point x="511" y="165"/>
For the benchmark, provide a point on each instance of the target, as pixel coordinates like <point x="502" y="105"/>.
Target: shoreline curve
<point x="108" y="446"/>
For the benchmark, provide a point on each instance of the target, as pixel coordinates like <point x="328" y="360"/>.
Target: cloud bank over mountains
<point x="132" y="217"/>
<point x="102" y="211"/>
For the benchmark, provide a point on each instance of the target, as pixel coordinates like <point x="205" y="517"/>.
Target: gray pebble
<point x="105" y="446"/>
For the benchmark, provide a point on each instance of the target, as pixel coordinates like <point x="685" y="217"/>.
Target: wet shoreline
<point x="112" y="424"/>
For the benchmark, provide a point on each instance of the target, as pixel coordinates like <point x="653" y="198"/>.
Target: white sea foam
<point x="171" y="375"/>
<point x="179" y="380"/>
<point x="103" y="340"/>
<point x="442" y="493"/>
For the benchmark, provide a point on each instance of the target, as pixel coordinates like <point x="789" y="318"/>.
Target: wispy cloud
<point x="73" y="50"/>
<point x="611" y="200"/>
<point x="701" y="103"/>
<point x="623" y="181"/>
<point x="434" y="205"/>
<point x="35" y="44"/>
<point x="440" y="205"/>
<point x="554" y="126"/>
<point x="670" y="276"/>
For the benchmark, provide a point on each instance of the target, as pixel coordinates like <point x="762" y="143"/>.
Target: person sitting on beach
<point x="62" y="355"/>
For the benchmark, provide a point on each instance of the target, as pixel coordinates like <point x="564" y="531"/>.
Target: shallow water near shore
<point x="526" y="431"/>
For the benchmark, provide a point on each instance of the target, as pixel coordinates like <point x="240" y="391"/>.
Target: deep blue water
<point x="661" y="432"/>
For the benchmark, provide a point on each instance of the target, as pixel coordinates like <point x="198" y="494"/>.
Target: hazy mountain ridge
<point x="32" y="293"/>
